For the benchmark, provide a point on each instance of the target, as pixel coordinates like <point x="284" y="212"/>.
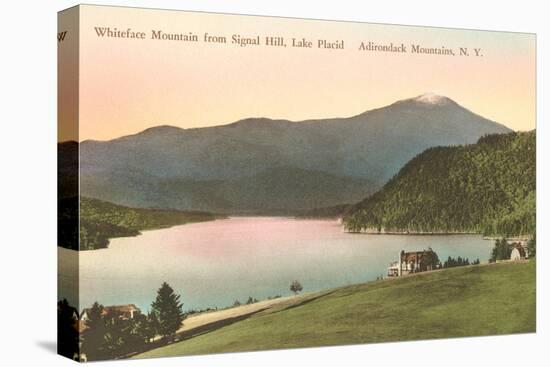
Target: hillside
<point x="487" y="187"/>
<point x="458" y="302"/>
<point x="260" y="165"/>
<point x="276" y="191"/>
<point x="336" y="211"/>
<point x="100" y="221"/>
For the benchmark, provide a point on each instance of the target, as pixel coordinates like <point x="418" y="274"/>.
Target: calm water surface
<point x="214" y="263"/>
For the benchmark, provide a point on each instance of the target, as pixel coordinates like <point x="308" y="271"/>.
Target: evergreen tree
<point x="169" y="311"/>
<point x="501" y="251"/>
<point x="113" y="340"/>
<point x="140" y="329"/>
<point x="93" y="336"/>
<point x="123" y="335"/>
<point x="151" y="327"/>
<point x="459" y="261"/>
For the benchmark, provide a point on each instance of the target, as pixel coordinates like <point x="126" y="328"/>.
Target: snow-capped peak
<point x="432" y="98"/>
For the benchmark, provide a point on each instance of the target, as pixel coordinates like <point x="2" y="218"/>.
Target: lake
<point x="215" y="263"/>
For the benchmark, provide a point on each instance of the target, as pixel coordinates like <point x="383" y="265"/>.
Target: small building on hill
<point x="413" y="262"/>
<point x="124" y="312"/>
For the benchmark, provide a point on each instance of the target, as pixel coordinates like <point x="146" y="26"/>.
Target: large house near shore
<point x="414" y="262"/>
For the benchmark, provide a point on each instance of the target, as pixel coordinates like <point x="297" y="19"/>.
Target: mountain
<point x="259" y="164"/>
<point x="487" y="187"/>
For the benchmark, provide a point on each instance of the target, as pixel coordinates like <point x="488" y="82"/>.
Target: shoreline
<point x="337" y="220"/>
<point x="148" y="229"/>
<point x="412" y="233"/>
<point x="435" y="233"/>
<point x="202" y="324"/>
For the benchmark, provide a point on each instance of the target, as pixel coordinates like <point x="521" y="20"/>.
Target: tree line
<point x="503" y="249"/>
<point x="487" y="187"/>
<point x="109" y="335"/>
<point x="451" y="262"/>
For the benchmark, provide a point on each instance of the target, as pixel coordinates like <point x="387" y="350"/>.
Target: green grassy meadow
<point x="458" y="302"/>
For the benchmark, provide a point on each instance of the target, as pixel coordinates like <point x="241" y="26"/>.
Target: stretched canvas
<point x="234" y="183"/>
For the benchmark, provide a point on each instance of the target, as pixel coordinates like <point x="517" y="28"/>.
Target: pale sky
<point x="129" y="85"/>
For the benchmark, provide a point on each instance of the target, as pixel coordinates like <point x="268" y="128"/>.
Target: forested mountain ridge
<point x="265" y="166"/>
<point x="487" y="187"/>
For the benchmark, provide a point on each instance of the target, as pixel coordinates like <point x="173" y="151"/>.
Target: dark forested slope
<point x="100" y="221"/>
<point x="487" y="187"/>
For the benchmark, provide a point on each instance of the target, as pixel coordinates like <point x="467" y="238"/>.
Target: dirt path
<point x="216" y="319"/>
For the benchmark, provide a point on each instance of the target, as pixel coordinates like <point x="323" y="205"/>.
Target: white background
<point x="28" y="182"/>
